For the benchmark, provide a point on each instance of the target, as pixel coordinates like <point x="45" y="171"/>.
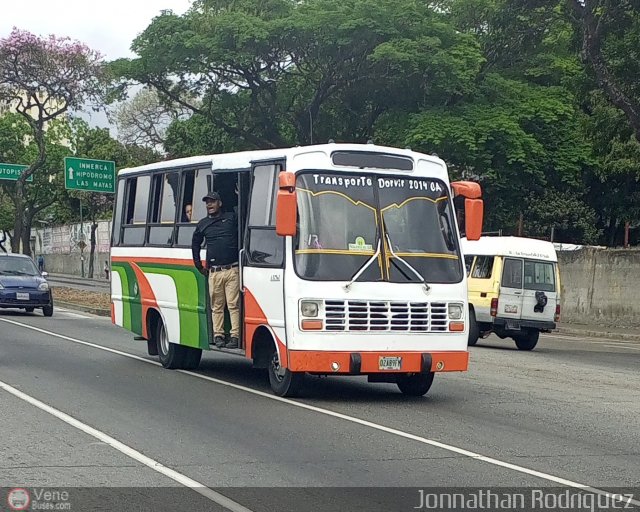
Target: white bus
<point x="350" y="262"/>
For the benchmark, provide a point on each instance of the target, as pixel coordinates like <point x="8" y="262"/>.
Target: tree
<point x="275" y="73"/>
<point x="610" y="34"/>
<point x="43" y="78"/>
<point x="97" y="143"/>
<point x="144" y="119"/>
<point x="17" y="145"/>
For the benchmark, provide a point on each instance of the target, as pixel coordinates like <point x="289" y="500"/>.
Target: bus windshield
<point x="345" y="218"/>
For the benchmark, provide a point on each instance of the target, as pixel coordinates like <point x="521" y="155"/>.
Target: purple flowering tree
<point x="42" y="78"/>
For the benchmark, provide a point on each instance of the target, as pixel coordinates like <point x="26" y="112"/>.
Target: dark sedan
<point x="23" y="286"/>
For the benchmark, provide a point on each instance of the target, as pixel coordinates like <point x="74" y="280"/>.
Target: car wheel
<point x="48" y="310"/>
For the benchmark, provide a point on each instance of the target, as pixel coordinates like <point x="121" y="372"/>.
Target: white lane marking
<point x="128" y="451"/>
<point x="588" y="339"/>
<point x="353" y="419"/>
<point x="624" y="347"/>
<point x="71" y="314"/>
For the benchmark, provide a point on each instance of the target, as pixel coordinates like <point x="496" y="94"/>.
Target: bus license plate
<point x="22" y="296"/>
<point x="390" y="363"/>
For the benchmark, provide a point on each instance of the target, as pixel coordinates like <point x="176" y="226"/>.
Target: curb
<point x="597" y="334"/>
<point x="84" y="309"/>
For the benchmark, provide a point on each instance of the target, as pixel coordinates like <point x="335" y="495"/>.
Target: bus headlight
<point x="455" y="311"/>
<point x="309" y="308"/>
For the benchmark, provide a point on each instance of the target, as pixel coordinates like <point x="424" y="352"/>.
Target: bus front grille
<point x="357" y="315"/>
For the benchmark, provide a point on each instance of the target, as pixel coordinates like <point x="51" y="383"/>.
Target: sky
<point x="108" y="26"/>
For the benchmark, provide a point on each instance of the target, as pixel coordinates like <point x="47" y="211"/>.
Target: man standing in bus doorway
<point x="220" y="232"/>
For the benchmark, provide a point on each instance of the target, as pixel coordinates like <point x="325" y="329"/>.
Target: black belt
<point x="218" y="268"/>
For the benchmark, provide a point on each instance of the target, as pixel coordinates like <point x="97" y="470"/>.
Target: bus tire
<point x="192" y="358"/>
<point x="415" y="384"/>
<point x="527" y="341"/>
<point x="284" y="382"/>
<point x="474" y="330"/>
<point x="171" y="355"/>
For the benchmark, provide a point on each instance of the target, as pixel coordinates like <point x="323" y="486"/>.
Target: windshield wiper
<point x="427" y="288"/>
<point x="364" y="267"/>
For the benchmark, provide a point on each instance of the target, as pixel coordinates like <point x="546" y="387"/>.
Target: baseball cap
<point x="214" y="196"/>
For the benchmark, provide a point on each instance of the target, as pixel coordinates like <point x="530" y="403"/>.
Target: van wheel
<point x="527" y="341"/>
<point x="170" y="355"/>
<point x="416" y="384"/>
<point x="474" y="331"/>
<point x="284" y="382"/>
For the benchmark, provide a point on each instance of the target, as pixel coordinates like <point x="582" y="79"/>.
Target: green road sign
<point x="13" y="172"/>
<point x="91" y="175"/>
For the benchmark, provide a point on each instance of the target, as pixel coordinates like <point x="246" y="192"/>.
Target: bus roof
<point x="510" y="246"/>
<point x="243" y="159"/>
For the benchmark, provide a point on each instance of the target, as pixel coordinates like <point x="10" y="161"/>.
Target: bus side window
<point x="136" y="208"/>
<point x="195" y="185"/>
<point x="118" y="214"/>
<point x="264" y="246"/>
<point x="163" y="208"/>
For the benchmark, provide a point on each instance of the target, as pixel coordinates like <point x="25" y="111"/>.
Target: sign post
<point x="13" y="172"/>
<point x="90" y="175"/>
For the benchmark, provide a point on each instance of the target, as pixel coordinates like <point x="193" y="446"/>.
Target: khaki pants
<point x="224" y="288"/>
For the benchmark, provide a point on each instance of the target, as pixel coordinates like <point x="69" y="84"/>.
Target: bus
<point x="349" y="262"/>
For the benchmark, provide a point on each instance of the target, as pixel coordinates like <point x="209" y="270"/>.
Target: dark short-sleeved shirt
<point x="221" y="236"/>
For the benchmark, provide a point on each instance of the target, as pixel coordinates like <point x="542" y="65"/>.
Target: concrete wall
<point x="601" y="286"/>
<point x="71" y="263"/>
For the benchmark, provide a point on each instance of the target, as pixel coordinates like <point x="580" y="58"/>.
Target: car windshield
<point x="345" y="218"/>
<point x="17" y="266"/>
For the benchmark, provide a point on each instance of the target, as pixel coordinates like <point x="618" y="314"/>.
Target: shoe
<point x="219" y="341"/>
<point x="233" y="343"/>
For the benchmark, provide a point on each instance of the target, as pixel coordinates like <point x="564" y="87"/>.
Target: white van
<point x="514" y="288"/>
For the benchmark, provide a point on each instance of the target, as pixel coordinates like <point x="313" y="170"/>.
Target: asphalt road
<point x="564" y="415"/>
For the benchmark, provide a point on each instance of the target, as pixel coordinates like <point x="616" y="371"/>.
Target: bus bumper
<point x="359" y="363"/>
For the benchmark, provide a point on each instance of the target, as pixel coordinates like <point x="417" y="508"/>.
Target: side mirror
<point x="471" y="225"/>
<point x="473" y="213"/>
<point x="287" y="205"/>
<point x="44" y="274"/>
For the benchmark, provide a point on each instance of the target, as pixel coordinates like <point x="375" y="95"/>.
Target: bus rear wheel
<point x="284" y="382"/>
<point x="171" y="355"/>
<point x="415" y="384"/>
<point x="192" y="358"/>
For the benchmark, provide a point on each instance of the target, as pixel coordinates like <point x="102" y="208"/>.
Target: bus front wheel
<point x="415" y="384"/>
<point x="474" y="330"/>
<point x="283" y="382"/>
